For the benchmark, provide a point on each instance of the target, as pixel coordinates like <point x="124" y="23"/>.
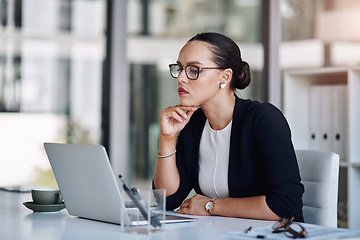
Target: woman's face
<point x="202" y="90"/>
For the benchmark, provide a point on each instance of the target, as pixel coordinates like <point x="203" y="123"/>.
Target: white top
<point x="214" y="161"/>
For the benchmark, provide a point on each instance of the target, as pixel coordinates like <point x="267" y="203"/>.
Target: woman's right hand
<point x="173" y="119"/>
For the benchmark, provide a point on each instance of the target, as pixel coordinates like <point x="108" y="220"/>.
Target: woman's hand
<point x="173" y="119"/>
<point x="194" y="205"/>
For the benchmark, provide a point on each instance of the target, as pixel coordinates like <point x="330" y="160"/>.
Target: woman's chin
<point x="187" y="104"/>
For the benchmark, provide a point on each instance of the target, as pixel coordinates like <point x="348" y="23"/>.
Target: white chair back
<point x="319" y="171"/>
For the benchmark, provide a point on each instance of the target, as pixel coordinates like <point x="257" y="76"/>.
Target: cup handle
<point x="58" y="198"/>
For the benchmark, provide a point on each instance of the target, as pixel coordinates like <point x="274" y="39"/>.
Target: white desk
<point x="18" y="223"/>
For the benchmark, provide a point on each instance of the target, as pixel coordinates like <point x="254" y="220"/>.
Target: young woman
<point x="236" y="154"/>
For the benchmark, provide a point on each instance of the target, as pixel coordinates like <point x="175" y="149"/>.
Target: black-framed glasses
<point x="191" y="71"/>
<point x="291" y="229"/>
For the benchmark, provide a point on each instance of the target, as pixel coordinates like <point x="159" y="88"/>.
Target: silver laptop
<point x="87" y="183"/>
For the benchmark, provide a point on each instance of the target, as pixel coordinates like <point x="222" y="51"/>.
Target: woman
<point x="236" y="154"/>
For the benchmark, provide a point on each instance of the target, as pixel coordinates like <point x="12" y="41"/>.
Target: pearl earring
<point x="222" y="85"/>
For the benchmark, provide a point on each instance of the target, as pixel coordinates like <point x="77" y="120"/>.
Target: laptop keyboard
<point x="134" y="214"/>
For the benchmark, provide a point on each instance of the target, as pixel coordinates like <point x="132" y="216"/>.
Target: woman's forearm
<point x="251" y="207"/>
<point x="166" y="175"/>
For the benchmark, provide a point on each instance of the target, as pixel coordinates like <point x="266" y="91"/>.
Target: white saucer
<point x="44" y="208"/>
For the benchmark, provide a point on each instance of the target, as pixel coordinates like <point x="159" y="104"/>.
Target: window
<point x="51" y="60"/>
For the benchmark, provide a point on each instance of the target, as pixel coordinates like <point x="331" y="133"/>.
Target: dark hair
<point x="227" y="55"/>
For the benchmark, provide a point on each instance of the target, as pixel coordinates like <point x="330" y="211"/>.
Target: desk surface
<point x="18" y="222"/>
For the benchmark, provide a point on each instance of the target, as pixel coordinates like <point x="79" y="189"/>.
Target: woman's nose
<point x="182" y="76"/>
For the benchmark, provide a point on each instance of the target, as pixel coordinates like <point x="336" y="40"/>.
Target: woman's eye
<point x="193" y="70"/>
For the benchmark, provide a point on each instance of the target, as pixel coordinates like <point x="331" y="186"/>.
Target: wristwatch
<point x="209" y="206"/>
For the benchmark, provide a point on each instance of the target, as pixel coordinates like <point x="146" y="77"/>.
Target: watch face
<point x="209" y="206"/>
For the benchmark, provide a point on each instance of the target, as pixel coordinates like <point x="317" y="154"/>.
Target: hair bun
<point x="244" y="78"/>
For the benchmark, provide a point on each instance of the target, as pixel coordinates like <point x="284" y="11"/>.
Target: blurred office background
<point x="96" y="71"/>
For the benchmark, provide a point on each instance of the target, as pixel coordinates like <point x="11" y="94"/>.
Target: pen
<point x="257" y="236"/>
<point x="135" y="197"/>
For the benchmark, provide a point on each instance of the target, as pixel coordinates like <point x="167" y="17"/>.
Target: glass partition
<point x="51" y="57"/>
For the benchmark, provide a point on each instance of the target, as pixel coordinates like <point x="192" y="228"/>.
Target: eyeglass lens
<point x="295" y="230"/>
<point x="175" y="70"/>
<point x="280" y="225"/>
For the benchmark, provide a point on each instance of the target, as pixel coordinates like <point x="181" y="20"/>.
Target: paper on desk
<point x="313" y="232"/>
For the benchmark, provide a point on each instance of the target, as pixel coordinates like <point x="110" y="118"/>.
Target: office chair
<point x="319" y="171"/>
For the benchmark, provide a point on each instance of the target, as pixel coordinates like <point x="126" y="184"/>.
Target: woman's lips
<point x="182" y="91"/>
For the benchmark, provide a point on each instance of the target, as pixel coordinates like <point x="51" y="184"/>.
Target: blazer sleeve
<point x="273" y="138"/>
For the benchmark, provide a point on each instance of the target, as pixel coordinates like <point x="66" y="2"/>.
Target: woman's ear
<point x="227" y="76"/>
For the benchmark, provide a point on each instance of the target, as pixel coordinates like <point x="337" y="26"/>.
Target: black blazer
<point x="262" y="159"/>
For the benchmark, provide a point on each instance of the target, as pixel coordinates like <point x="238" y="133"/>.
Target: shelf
<point x="307" y="105"/>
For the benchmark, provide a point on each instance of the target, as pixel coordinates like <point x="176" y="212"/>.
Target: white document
<point x="313" y="232"/>
<point x="340" y="120"/>
<point x="315" y="118"/>
<point x="327" y="118"/>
